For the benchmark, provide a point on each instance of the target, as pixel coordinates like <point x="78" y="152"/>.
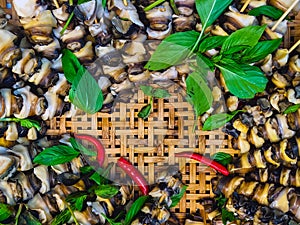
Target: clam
<point x="8" y="166"/>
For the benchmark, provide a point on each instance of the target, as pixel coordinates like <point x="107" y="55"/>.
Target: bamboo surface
<point x="151" y="144"/>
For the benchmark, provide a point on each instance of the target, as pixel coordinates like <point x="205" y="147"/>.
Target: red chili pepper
<point x="213" y="164"/>
<point x="99" y="147"/>
<point x="135" y="175"/>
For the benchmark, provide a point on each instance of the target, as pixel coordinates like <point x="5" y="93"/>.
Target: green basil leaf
<point x="242" y="38"/>
<point x="81" y="94"/>
<point x="77" y="199"/>
<point x="244" y="81"/>
<point x="111" y="221"/>
<point x="5" y="211"/>
<point x="266" y="10"/>
<point x="221" y="200"/>
<point x="211" y="43"/>
<point x="161" y="93"/>
<point x="176" y="198"/>
<point x="227" y="216"/>
<point x="70" y="65"/>
<point x="210" y="10"/>
<point x="147" y="90"/>
<point x="172" y="50"/>
<point x="61" y="218"/>
<point x="106" y="191"/>
<point x="204" y="65"/>
<point x="260" y="51"/>
<point x="101" y="175"/>
<point x="145" y="111"/>
<point x="292" y="109"/>
<point x="222" y="158"/>
<point x="104" y="3"/>
<point x="82" y="1"/>
<point x="86" y="169"/>
<point x="56" y="155"/>
<point x="27" y="218"/>
<point x="27" y="123"/>
<point x="135" y="208"/>
<point x="80" y="147"/>
<point x="218" y="120"/>
<point x="199" y="94"/>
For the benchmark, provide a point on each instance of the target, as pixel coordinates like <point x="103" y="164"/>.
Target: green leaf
<point x="204" y="65"/>
<point x="27" y="123"/>
<point x="161" y="93"/>
<point x="101" y="175"/>
<point x="266" y="10"/>
<point x="218" y="120"/>
<point x="176" y="198"/>
<point x="106" y="191"/>
<point x="70" y="65"/>
<point x="82" y="1"/>
<point x="61" y="218"/>
<point x="260" y="51"/>
<point x="292" y="109"/>
<point x="5" y="211"/>
<point x="147" y="90"/>
<point x="81" y="94"/>
<point x="227" y="216"/>
<point x="221" y="200"/>
<point x="86" y="169"/>
<point x="78" y="146"/>
<point x="145" y="111"/>
<point x="77" y="199"/>
<point x="111" y="221"/>
<point x="27" y="218"/>
<point x="135" y="208"/>
<point x="199" y="93"/>
<point x="222" y="158"/>
<point x="210" y="10"/>
<point x="244" y="81"/>
<point x="56" y="155"/>
<point x="104" y="3"/>
<point x="211" y="43"/>
<point x="172" y="50"/>
<point x="242" y="38"/>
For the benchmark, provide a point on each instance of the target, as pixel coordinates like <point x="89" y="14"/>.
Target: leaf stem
<point x="196" y="44"/>
<point x="154" y="4"/>
<point x="18" y="214"/>
<point x="67" y="23"/>
<point x="70" y="2"/>
<point x="174" y="7"/>
<point x="72" y="213"/>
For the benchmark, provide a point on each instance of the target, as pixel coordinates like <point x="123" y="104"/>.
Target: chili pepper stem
<point x="18" y="214"/>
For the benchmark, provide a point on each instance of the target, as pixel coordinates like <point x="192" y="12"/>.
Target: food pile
<point x="228" y="57"/>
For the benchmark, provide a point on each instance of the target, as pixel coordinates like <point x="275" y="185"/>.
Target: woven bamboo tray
<point x="151" y="144"/>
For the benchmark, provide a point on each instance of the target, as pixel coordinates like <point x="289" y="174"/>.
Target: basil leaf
<point x="61" y="218"/>
<point x="292" y="109"/>
<point x="199" y="94"/>
<point x="266" y="10"/>
<point x="70" y="65"/>
<point x="222" y="158"/>
<point x="242" y="38"/>
<point x="145" y="111"/>
<point x="244" y="81"/>
<point x="210" y="10"/>
<point x="27" y="123"/>
<point x="56" y="155"/>
<point x="82" y="1"/>
<point x="211" y="43"/>
<point x="176" y="198"/>
<point x="81" y="94"/>
<point x="218" y="120"/>
<point x="86" y="169"/>
<point x="135" y="208"/>
<point x="101" y="175"/>
<point x="104" y="3"/>
<point x="221" y="200"/>
<point x="172" y="50"/>
<point x="80" y="147"/>
<point x="77" y="199"/>
<point x="161" y="93"/>
<point x="147" y="90"/>
<point x="227" y="216"/>
<point x="111" y="221"/>
<point x="260" y="51"/>
<point x="106" y="191"/>
<point x="27" y="218"/>
<point x="5" y="211"/>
